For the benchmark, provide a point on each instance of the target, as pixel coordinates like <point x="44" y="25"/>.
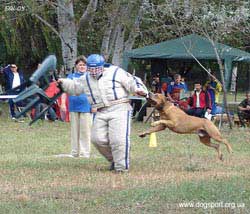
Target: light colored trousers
<point x="111" y="134"/>
<point x="80" y="133"/>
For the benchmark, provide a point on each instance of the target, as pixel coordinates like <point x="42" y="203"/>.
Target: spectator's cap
<point x="95" y="60"/>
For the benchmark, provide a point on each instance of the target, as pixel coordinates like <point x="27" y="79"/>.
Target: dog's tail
<point x="215" y="134"/>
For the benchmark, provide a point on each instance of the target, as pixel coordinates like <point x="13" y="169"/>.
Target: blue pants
<point x="197" y="112"/>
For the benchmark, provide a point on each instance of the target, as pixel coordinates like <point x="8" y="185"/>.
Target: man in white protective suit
<point x="108" y="88"/>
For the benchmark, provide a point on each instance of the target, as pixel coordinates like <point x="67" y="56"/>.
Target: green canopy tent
<point x="184" y="47"/>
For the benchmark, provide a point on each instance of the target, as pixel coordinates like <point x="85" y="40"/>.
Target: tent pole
<point x="248" y="77"/>
<point x="236" y="89"/>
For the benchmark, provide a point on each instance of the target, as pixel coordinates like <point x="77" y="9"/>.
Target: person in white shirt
<point x="14" y="80"/>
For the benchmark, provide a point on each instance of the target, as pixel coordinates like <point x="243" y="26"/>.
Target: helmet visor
<point x="95" y="71"/>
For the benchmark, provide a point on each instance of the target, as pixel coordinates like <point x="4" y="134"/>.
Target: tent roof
<point x="178" y="48"/>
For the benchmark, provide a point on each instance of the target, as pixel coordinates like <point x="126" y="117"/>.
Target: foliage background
<point x="26" y="41"/>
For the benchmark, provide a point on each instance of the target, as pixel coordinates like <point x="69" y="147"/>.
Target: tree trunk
<point x="119" y="45"/>
<point x="223" y="83"/>
<point x="108" y="39"/>
<point x="106" y="42"/>
<point x="187" y="8"/>
<point x="67" y="27"/>
<point x="248" y="78"/>
<point x="174" y="4"/>
<point x="68" y="31"/>
<point x="135" y="30"/>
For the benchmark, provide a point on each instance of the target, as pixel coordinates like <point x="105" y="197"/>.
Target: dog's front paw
<point x="142" y="134"/>
<point x="155" y="124"/>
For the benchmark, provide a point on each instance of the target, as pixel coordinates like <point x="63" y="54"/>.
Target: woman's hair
<point x="177" y="76"/>
<point x="80" y="59"/>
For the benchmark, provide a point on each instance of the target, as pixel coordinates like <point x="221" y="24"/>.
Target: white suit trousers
<point x="111" y="134"/>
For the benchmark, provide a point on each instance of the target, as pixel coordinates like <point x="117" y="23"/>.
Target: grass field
<point x="178" y="176"/>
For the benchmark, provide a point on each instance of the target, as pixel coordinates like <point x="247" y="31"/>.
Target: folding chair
<point x="35" y="92"/>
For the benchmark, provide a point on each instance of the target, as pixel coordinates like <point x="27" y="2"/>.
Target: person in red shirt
<point x="63" y="103"/>
<point x="199" y="102"/>
<point x="51" y="91"/>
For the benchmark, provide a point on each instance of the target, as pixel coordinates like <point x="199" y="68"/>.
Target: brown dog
<point x="178" y="121"/>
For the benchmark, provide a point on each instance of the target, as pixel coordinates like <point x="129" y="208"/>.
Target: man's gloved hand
<point x="59" y="81"/>
<point x="141" y="93"/>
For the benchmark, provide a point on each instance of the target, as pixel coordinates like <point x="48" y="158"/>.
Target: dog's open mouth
<point x="152" y="99"/>
<point x="152" y="102"/>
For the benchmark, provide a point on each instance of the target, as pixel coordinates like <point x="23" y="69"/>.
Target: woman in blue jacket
<point x="80" y="116"/>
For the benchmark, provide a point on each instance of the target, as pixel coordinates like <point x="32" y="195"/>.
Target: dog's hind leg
<point x="207" y="141"/>
<point x="215" y="134"/>
<point x="223" y="140"/>
<point x="229" y="148"/>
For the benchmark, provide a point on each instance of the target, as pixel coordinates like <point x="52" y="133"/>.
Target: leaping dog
<point x="178" y="121"/>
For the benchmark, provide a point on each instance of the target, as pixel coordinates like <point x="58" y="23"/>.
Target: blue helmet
<point x="95" y="60"/>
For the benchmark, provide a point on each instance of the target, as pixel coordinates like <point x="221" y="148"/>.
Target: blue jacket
<point x="9" y="76"/>
<point x="78" y="103"/>
<point x="180" y="86"/>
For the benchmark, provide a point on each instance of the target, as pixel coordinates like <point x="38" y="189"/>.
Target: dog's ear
<point x="162" y="102"/>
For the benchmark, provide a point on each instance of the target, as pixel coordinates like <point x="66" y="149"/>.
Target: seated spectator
<point x="156" y="85"/>
<point x="175" y="91"/>
<point x="175" y="88"/>
<point x="199" y="102"/>
<point x="165" y="82"/>
<point x="244" y="110"/>
<point x="164" y="88"/>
